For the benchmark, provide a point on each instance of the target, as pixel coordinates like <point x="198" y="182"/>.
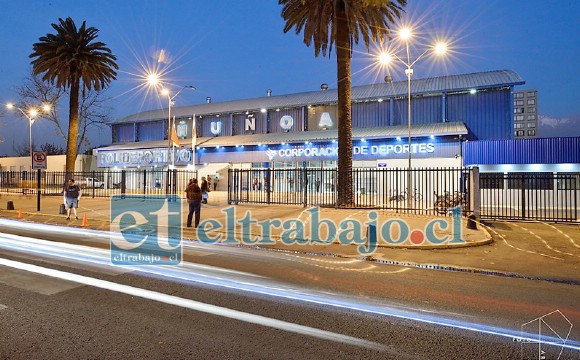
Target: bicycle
<point x="415" y="196"/>
<point x="447" y="201"/>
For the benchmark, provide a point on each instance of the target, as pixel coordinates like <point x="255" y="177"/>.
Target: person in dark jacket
<point x="71" y="195"/>
<point x="204" y="190"/>
<point x="193" y="194"/>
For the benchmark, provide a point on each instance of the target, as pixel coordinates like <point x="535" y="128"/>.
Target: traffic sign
<point x="39" y="160"/>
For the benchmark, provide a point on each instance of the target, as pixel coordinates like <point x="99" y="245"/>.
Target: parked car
<point x="91" y="183"/>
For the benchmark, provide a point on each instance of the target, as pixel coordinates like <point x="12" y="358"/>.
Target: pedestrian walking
<point x="215" y="181"/>
<point x="194" y="197"/>
<point x="204" y="190"/>
<point x="71" y="195"/>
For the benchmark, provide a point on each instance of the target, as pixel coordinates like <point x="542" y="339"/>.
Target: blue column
<point x="444" y="106"/>
<point x="391" y="111"/>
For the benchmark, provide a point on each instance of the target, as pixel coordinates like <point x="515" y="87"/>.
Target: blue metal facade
<point x="524" y="151"/>
<point x="487" y="113"/>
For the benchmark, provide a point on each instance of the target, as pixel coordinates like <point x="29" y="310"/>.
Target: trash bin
<point x="62" y="210"/>
<point x="10" y="205"/>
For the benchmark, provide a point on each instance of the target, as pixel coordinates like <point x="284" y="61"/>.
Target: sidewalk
<point x="479" y="254"/>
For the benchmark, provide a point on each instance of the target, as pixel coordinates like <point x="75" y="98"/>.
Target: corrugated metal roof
<point x="523" y="151"/>
<point x="449" y="83"/>
<point x="437" y="129"/>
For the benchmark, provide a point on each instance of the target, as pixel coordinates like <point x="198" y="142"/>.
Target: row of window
<point x="521" y="110"/>
<point x="522" y="133"/>
<point x="531" y="117"/>
<point x="529" y="181"/>
<point x="528" y="102"/>
<point x="520" y="95"/>
<point x="521" y="125"/>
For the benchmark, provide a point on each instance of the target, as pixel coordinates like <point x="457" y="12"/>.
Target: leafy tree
<point x="52" y="149"/>
<point x="341" y="23"/>
<point x="92" y="112"/>
<point x="72" y="59"/>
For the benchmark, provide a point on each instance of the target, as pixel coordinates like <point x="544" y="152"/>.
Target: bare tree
<point x="93" y="111"/>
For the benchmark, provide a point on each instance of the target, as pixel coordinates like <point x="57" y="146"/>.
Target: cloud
<point x="546" y="120"/>
<point x="558" y="127"/>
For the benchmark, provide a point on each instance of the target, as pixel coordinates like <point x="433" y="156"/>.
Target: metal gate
<point x="530" y="196"/>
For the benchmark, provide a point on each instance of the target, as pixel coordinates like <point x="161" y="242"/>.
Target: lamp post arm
<point x="419" y="57"/>
<point x="179" y="92"/>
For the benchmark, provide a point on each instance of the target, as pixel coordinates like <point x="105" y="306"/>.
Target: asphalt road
<point x="240" y="303"/>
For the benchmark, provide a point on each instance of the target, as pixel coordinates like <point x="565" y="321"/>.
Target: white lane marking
<point x="517" y="248"/>
<point x="542" y="240"/>
<point x="563" y="234"/>
<point x="196" y="305"/>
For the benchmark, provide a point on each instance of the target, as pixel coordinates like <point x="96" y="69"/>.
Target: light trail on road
<point x="240" y="281"/>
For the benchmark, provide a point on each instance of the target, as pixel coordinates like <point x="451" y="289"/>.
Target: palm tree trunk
<point x="343" y="53"/>
<point x="73" y="129"/>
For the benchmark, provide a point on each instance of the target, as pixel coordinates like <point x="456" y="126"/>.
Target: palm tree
<point x="341" y="23"/>
<point x="72" y="59"/>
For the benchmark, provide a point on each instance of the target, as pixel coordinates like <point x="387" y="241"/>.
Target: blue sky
<point x="233" y="49"/>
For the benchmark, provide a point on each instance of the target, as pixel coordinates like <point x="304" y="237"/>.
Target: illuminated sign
<point x="181" y="129"/>
<point x="332" y="150"/>
<point x="143" y="157"/>
<point x="250" y="124"/>
<point x="286" y="122"/>
<point x="325" y="120"/>
<point x="216" y="127"/>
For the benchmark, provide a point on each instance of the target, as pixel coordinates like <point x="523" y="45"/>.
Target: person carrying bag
<point x="194" y="197"/>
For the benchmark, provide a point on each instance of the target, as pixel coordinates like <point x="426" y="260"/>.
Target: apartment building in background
<point x="525" y="114"/>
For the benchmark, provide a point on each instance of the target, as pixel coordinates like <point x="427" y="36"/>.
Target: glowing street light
<point x="30" y="114"/>
<point x="439" y="49"/>
<point x="166" y="92"/>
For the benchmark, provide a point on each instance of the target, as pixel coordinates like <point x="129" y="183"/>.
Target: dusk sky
<point x="237" y="49"/>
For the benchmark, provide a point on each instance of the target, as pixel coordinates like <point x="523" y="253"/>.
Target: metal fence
<point x="373" y="188"/>
<point x="530" y="196"/>
<point x="98" y="183"/>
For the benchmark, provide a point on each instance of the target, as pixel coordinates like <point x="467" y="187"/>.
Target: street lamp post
<point x="170" y="98"/>
<point x="32" y="113"/>
<point x="385" y="58"/>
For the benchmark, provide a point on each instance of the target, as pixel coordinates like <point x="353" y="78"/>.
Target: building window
<point x="519" y="103"/>
<point x="532" y="117"/>
<point x="531" y="181"/>
<point x="519" y="133"/>
<point x="531" y="110"/>
<point x="518" y="126"/>
<point x="531" y="102"/>
<point x="491" y="181"/>
<point x="531" y="94"/>
<point x="518" y="95"/>
<point x="568" y="181"/>
<point x="519" y="118"/>
<point x="518" y="110"/>
<point x="531" y="132"/>
<point x="531" y="125"/>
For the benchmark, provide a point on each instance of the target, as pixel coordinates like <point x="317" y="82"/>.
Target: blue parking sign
<point x="145" y="230"/>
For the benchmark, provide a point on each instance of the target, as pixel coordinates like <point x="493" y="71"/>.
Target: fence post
<point x="38" y="190"/>
<point x="475" y="193"/>
<point x="305" y="183"/>
<point x="523" y="195"/>
<point x="123" y="180"/>
<point x="267" y="182"/>
<point x="144" y="181"/>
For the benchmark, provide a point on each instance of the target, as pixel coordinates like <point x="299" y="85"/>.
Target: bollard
<point x="471" y="222"/>
<point x="10" y="205"/>
<point x="62" y="210"/>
